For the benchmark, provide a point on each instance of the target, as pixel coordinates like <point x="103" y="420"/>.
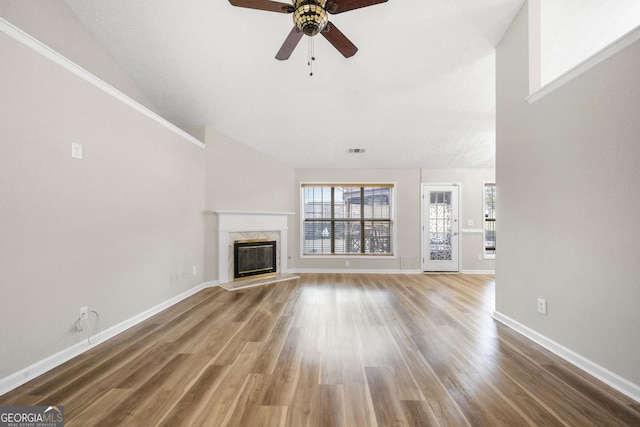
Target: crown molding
<point x="44" y="50"/>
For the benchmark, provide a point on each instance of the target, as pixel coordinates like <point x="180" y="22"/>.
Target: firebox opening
<point x="253" y="257"/>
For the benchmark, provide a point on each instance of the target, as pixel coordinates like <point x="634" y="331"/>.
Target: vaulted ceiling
<point x="420" y="92"/>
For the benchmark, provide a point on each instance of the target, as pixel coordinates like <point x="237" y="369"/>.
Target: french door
<point x="440" y="228"/>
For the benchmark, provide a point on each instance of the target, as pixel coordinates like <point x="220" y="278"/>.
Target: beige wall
<point x="118" y="231"/>
<point x="407" y="198"/>
<point x="52" y="23"/>
<point x="567" y="172"/>
<point x="408" y="210"/>
<point x="240" y="178"/>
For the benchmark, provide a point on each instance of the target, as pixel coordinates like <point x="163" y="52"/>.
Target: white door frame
<point x="446" y="266"/>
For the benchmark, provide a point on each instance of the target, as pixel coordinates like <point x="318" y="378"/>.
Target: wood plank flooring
<point x="328" y="350"/>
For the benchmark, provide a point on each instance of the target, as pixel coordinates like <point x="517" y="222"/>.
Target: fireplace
<point x="234" y="226"/>
<point x="254" y="257"/>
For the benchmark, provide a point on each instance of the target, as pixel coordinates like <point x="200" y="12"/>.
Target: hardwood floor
<point x="328" y="350"/>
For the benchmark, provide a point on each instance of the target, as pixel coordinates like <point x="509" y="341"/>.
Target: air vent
<point x="357" y="150"/>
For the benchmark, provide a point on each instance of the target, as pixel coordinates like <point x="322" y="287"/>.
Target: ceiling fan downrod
<point x="311" y="57"/>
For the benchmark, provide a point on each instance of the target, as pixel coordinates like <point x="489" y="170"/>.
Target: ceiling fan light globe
<point x="310" y="18"/>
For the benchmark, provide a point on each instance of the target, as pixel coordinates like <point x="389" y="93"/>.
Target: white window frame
<point x="485" y="221"/>
<point x="394" y="242"/>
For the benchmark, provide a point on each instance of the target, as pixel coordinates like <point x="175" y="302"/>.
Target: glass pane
<point x="317" y="202"/>
<point x="349" y="240"/>
<point x="490" y="219"/>
<point x="317" y="237"/>
<point x="377" y="237"/>
<point x="440" y="226"/>
<point x="378" y="203"/>
<point x="349" y="202"/>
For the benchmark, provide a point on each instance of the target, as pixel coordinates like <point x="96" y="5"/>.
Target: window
<point x="489" y="229"/>
<point x="573" y="31"/>
<point x="347" y="219"/>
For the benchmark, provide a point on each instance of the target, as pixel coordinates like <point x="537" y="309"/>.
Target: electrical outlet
<point x="542" y="306"/>
<point x="347" y="263"/>
<point x="84" y="312"/>
<point x="195" y="270"/>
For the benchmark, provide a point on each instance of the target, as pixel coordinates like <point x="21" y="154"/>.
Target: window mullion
<point x="362" y="236"/>
<point x="333" y="222"/>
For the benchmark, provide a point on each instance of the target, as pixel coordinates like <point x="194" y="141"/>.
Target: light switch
<point x="76" y="151"/>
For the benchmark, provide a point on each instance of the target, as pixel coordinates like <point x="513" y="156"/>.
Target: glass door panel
<point x="440" y="235"/>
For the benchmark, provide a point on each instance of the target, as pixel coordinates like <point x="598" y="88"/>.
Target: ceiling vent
<point x="357" y="150"/>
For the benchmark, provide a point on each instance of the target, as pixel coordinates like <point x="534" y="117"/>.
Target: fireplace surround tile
<point x="247" y="225"/>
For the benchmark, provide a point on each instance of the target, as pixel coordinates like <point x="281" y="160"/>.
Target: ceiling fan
<point x="310" y="18"/>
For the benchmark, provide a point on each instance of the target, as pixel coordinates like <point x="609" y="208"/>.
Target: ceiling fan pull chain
<point x="311" y="56"/>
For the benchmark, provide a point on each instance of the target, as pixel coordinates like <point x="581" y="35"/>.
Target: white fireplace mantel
<point x="249" y="222"/>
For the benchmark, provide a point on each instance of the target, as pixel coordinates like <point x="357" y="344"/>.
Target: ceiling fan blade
<point x="339" y="6"/>
<point x="289" y="44"/>
<point x="339" y="40"/>
<point x="271" y="6"/>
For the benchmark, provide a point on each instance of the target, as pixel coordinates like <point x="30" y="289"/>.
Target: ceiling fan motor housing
<point x="310" y="16"/>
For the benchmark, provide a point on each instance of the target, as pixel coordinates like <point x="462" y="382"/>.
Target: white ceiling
<point x="420" y="92"/>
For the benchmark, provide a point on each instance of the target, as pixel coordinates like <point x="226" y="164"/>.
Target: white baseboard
<point x="27" y="374"/>
<point x="374" y="271"/>
<point x="350" y="271"/>
<point x="614" y="380"/>
<point x="477" y="272"/>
